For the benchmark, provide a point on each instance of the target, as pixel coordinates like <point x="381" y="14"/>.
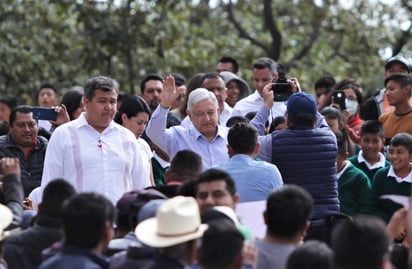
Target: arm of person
<point x="156" y="128"/>
<point x="13" y="189"/>
<point x="261" y="117"/>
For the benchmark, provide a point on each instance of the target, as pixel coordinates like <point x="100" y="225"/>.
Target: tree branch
<point x="242" y="31"/>
<point x="402" y="40"/>
<point x="270" y="25"/>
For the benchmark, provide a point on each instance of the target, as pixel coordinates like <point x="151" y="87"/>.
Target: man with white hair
<point x="205" y="137"/>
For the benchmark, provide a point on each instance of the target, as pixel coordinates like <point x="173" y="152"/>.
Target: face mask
<point x="351" y="106"/>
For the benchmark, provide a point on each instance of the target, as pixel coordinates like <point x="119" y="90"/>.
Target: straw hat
<point x="6" y="216"/>
<point x="176" y="221"/>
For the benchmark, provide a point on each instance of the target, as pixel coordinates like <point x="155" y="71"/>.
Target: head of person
<point x="264" y="71"/>
<point x="323" y="86"/>
<point x="134" y="114"/>
<point x="214" y="82"/>
<point x="400" y="151"/>
<point x="73" y="100"/>
<point x="227" y="63"/>
<point x="236" y="119"/>
<point x="398" y="88"/>
<point x="151" y="87"/>
<point x="397" y="65"/>
<point x="222" y="245"/>
<point x="287" y="213"/>
<point x="174" y="229"/>
<point x="100" y="100"/>
<point x="353" y="97"/>
<point x="242" y="139"/>
<point x="301" y="111"/>
<point x="23" y="127"/>
<point x="47" y="95"/>
<point x="360" y="244"/>
<point x="180" y="83"/>
<point x="7" y="104"/>
<point x="371" y="139"/>
<point x="193" y="83"/>
<point x="278" y="123"/>
<point x="184" y="166"/>
<point x="54" y="196"/>
<point x="333" y="117"/>
<point x="343" y="149"/>
<point x="215" y="187"/>
<point x="87" y="220"/>
<point x="202" y="110"/>
<point x="237" y="88"/>
<point x="128" y="208"/>
<point x="311" y="254"/>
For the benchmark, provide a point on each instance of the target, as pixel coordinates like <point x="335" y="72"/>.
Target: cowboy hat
<point x="176" y="221"/>
<point x="6" y="216"/>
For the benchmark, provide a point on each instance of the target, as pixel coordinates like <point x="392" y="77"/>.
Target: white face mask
<point x="351" y="106"/>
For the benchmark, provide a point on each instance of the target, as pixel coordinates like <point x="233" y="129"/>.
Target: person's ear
<point x="265" y="217"/>
<point x="230" y="151"/>
<point x="189" y="114"/>
<point x="124" y="117"/>
<point x="235" y="200"/>
<point x="257" y="148"/>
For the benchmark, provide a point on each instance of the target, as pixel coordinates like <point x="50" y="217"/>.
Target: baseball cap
<point x="301" y="103"/>
<point x="400" y="59"/>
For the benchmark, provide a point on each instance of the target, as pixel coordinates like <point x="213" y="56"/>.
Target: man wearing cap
<point x="306" y="156"/>
<point x="173" y="232"/>
<point x="373" y="107"/>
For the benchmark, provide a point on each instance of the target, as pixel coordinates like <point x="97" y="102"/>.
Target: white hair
<point x="198" y="95"/>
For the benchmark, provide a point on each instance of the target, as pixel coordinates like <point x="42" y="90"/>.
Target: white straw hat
<point x="6" y="216"/>
<point x="176" y="221"/>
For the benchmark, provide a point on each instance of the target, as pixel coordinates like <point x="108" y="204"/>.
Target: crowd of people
<point x="207" y="174"/>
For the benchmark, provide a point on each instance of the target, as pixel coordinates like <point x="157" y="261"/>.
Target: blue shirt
<point x="254" y="179"/>
<point x="178" y="138"/>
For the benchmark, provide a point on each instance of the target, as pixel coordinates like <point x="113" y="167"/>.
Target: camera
<point x="281" y="90"/>
<point x="339" y="100"/>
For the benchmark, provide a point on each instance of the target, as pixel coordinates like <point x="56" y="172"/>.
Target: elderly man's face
<point x="204" y="117"/>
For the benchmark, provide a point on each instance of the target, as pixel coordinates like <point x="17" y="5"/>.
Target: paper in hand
<point x="400" y="199"/>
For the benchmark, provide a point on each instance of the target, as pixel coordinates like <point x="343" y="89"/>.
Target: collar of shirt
<point x="407" y="179"/>
<point x="81" y="121"/>
<point x="347" y="165"/>
<point x="256" y="96"/>
<point x="379" y="164"/>
<point x="221" y="131"/>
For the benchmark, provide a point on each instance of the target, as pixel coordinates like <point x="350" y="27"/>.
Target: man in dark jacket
<point x="24" y="250"/>
<point x="23" y="142"/>
<point x="306" y="156"/>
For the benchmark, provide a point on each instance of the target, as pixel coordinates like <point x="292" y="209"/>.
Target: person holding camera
<point x="306" y="156"/>
<point x="265" y="70"/>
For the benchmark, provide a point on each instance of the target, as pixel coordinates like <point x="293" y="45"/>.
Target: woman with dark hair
<point x="73" y="100"/>
<point x="134" y="114"/>
<point x="350" y="105"/>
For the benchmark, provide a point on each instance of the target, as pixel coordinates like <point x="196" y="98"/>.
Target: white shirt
<point x="109" y="163"/>
<point x="408" y="178"/>
<point x="379" y="164"/>
<point x="144" y="146"/>
<point x="253" y="103"/>
<point x="178" y="138"/>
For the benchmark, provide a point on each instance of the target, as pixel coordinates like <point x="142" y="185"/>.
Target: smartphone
<point x="44" y="113"/>
<point x="339" y="99"/>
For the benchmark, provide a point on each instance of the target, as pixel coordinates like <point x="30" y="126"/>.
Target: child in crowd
<point x="394" y="179"/>
<point x="370" y="158"/>
<point x="353" y="184"/>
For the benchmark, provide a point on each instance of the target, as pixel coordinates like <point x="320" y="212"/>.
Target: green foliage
<point x="65" y="42"/>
